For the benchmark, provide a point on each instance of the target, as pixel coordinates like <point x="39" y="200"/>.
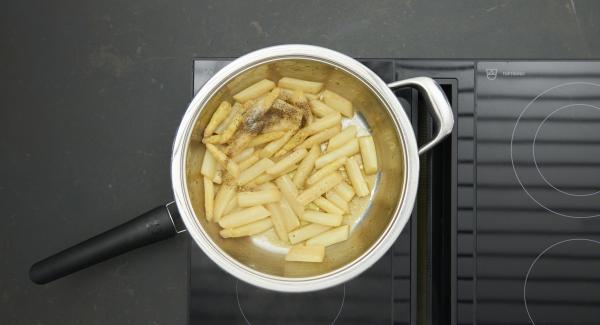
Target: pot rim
<point x="401" y="212"/>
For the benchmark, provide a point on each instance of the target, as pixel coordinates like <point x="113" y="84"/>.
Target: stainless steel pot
<point x="250" y="259"/>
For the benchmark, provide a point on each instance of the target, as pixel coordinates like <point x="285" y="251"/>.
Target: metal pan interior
<point x="371" y="215"/>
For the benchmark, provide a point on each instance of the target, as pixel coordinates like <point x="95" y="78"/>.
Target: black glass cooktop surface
<point x="381" y="295"/>
<point x="507" y="215"/>
<point x="538" y="199"/>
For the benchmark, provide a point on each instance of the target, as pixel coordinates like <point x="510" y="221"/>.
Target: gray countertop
<point x="92" y="93"/>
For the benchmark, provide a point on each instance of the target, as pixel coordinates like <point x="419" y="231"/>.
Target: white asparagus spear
<point x="248" y="199"/>
<point x="328" y="169"/>
<point x="248" y="229"/>
<point x="345" y="191"/>
<point x="245" y="216"/>
<point x="218" y="116"/>
<point x="209" y="197"/>
<point x="224" y="195"/>
<point x="301" y="253"/>
<point x="320" y="188"/>
<point x="356" y="178"/>
<point x="368" y="154"/>
<point x="278" y="221"/>
<point x="337" y="200"/>
<point x="254" y="91"/>
<point x="306" y="232"/>
<point x="312" y="87"/>
<point x="254" y="171"/>
<point x="347" y="150"/>
<point x="306" y="166"/>
<point x="285" y="163"/>
<point x="342" y="138"/>
<point x="327" y="206"/>
<point x="322" y="218"/>
<point x="321" y="109"/>
<point x="338" y="103"/>
<point x="330" y="237"/>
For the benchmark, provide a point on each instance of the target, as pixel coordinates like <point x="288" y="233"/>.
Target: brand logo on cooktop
<point x="491" y="74"/>
<point x="513" y="73"/>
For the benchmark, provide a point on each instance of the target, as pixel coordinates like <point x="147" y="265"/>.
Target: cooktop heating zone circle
<point x="555" y="150"/>
<point x="537" y="133"/>
<point x="318" y="307"/>
<point x="561" y="284"/>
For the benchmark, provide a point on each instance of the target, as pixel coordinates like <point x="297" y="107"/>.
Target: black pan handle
<point x="153" y="226"/>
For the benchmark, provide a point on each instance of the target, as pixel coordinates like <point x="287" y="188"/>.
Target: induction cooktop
<point x="506" y="228"/>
